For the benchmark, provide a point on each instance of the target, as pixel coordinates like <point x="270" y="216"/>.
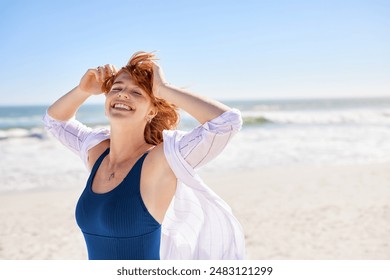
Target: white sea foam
<point x="258" y="147"/>
<point x="358" y="116"/>
<point x="32" y="163"/>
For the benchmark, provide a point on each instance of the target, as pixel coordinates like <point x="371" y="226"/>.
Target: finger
<point x="113" y="69"/>
<point x="157" y="68"/>
<point x="156" y="64"/>
<point x="102" y="74"/>
<point x="99" y="73"/>
<point x="108" y="71"/>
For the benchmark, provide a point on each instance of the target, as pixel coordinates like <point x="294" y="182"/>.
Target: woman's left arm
<point x="205" y="142"/>
<point x="201" y="108"/>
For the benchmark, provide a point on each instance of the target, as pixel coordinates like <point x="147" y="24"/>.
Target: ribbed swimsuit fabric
<point x="117" y="225"/>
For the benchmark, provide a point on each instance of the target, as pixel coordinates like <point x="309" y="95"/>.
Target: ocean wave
<point x="362" y="117"/>
<point x="256" y="120"/>
<point x="22" y="122"/>
<point x="11" y="133"/>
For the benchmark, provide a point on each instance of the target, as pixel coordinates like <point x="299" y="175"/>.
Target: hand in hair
<point x="93" y="79"/>
<point x="158" y="79"/>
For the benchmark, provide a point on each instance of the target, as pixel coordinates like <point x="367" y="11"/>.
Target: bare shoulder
<point x="157" y="163"/>
<point x="95" y="152"/>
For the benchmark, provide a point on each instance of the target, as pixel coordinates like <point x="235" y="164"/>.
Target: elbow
<point x="57" y="115"/>
<point x="51" y="112"/>
<point x="238" y="122"/>
<point x="233" y="117"/>
<point x="228" y="122"/>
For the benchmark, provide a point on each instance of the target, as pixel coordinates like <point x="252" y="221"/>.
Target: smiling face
<point x="128" y="102"/>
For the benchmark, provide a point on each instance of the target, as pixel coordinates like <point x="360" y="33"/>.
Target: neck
<point x="126" y="142"/>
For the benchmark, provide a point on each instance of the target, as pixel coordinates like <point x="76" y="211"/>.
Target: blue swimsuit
<point x="116" y="225"/>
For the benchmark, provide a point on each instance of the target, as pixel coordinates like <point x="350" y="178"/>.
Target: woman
<point x="143" y="199"/>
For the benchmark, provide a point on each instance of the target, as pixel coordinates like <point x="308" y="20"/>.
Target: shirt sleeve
<point x="205" y="142"/>
<point x="76" y="136"/>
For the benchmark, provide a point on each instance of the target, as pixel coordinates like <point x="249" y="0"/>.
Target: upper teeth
<point x="123" y="106"/>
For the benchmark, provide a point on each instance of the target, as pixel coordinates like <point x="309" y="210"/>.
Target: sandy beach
<point x="297" y="212"/>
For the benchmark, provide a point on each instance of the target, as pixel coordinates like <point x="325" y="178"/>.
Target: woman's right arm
<point x="66" y="107"/>
<point x="60" y="122"/>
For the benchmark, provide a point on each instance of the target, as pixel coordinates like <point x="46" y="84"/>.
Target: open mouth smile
<point x="122" y="106"/>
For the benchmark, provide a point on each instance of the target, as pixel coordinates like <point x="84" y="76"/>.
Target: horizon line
<point x="229" y="100"/>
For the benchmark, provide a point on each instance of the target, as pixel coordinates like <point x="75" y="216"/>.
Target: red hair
<point x="140" y="69"/>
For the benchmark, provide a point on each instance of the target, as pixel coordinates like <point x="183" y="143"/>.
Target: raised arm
<point x="201" y="108"/>
<point x="202" y="144"/>
<point x="90" y="84"/>
<point x="59" y="119"/>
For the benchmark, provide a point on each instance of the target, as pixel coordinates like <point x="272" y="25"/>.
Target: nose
<point x="122" y="94"/>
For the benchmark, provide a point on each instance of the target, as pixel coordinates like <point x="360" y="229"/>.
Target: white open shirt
<point x="198" y="223"/>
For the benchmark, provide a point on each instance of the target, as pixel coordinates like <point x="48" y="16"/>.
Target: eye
<point x="136" y="93"/>
<point x="115" y="89"/>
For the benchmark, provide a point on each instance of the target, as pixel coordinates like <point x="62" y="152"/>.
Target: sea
<point x="274" y="133"/>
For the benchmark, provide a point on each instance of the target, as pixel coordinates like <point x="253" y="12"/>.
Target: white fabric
<point x="75" y="135"/>
<point x="198" y="223"/>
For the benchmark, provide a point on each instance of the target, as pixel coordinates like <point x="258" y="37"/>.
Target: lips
<point x="122" y="106"/>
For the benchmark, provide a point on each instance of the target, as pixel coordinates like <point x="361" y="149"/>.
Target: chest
<point x="106" y="180"/>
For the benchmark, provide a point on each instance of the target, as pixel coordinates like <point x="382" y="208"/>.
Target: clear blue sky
<point x="262" y="49"/>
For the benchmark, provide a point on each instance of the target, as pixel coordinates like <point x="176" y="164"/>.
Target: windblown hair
<point x="140" y="69"/>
